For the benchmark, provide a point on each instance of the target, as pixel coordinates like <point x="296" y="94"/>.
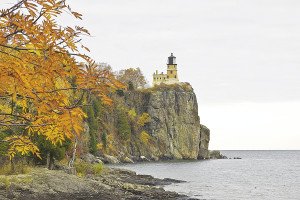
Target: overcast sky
<point x="241" y="56"/>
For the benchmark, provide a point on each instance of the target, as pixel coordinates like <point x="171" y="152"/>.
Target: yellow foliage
<point x="143" y="119"/>
<point x="110" y="145"/>
<point x="21" y="144"/>
<point x="100" y="147"/>
<point x="132" y="114"/>
<point x="42" y="81"/>
<point x="144" y="137"/>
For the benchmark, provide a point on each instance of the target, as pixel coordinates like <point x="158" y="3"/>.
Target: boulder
<point x="111" y="159"/>
<point x="216" y="155"/>
<point x="127" y="160"/>
<point x="143" y="158"/>
<point x="90" y="158"/>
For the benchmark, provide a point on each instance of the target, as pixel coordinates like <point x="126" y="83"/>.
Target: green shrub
<point x="97" y="168"/>
<point x="5" y="181"/>
<point x="120" y="92"/>
<point x="84" y="168"/>
<point x="19" y="168"/>
<point x="50" y="151"/>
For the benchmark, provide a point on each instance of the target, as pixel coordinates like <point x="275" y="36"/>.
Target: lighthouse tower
<point x="172" y="76"/>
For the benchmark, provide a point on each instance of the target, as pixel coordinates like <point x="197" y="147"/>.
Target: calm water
<point x="273" y="175"/>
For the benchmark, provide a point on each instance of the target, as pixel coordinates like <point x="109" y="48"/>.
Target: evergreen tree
<point x="123" y="125"/>
<point x="104" y="139"/>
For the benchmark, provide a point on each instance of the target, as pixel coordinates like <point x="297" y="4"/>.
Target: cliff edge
<point x="175" y="123"/>
<point x="173" y="131"/>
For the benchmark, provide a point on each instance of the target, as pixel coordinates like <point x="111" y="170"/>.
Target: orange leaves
<point x="22" y="145"/>
<point x="43" y="85"/>
<point x="31" y="7"/>
<point x="58" y="126"/>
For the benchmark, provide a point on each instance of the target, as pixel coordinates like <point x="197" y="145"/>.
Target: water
<point x="267" y="175"/>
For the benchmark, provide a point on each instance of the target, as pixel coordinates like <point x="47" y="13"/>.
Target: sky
<point x="242" y="58"/>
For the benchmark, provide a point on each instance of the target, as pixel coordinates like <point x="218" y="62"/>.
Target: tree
<point x="134" y="78"/>
<point x="50" y="152"/>
<point x="45" y="79"/>
<point x="123" y="124"/>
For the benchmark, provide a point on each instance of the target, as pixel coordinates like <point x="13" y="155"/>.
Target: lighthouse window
<point x="175" y="76"/>
<point x="171" y="72"/>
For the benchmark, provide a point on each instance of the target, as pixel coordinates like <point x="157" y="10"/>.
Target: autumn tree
<point x="45" y="77"/>
<point x="132" y="77"/>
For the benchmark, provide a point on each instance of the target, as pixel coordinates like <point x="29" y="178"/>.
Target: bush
<point x="84" y="168"/>
<point x="143" y="119"/>
<point x="50" y="152"/>
<point x="120" y="92"/>
<point x="19" y="168"/>
<point x="144" y="137"/>
<point x="97" y="168"/>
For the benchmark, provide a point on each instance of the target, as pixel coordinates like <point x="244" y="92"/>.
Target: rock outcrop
<point x="175" y="124"/>
<point x="204" y="142"/>
<point x="112" y="184"/>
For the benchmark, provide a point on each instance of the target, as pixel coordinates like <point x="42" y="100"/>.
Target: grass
<point x="84" y="168"/>
<point x="19" y="168"/>
<point x="5" y="181"/>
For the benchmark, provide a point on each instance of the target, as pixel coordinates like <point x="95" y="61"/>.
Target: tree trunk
<point x="50" y="161"/>
<point x="12" y="165"/>
<point x="72" y="160"/>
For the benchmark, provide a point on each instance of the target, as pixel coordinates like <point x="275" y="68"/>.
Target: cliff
<point x="173" y="131"/>
<point x="204" y="142"/>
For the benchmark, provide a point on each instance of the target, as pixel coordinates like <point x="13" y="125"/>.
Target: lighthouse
<point x="171" y="77"/>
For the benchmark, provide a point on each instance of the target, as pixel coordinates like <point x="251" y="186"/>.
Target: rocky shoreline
<point x="108" y="159"/>
<point x="112" y="184"/>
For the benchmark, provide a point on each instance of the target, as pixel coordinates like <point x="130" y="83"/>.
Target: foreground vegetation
<point x="44" y="81"/>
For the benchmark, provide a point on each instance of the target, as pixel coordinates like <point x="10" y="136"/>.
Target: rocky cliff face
<point x="175" y="125"/>
<point x="204" y="142"/>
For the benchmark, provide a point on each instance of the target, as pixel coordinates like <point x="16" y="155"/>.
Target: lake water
<point x="259" y="175"/>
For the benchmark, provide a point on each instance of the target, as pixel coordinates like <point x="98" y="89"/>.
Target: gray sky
<point x="241" y="56"/>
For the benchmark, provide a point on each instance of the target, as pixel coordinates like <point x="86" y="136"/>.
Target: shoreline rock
<point x="112" y="184"/>
<point x="216" y="155"/>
